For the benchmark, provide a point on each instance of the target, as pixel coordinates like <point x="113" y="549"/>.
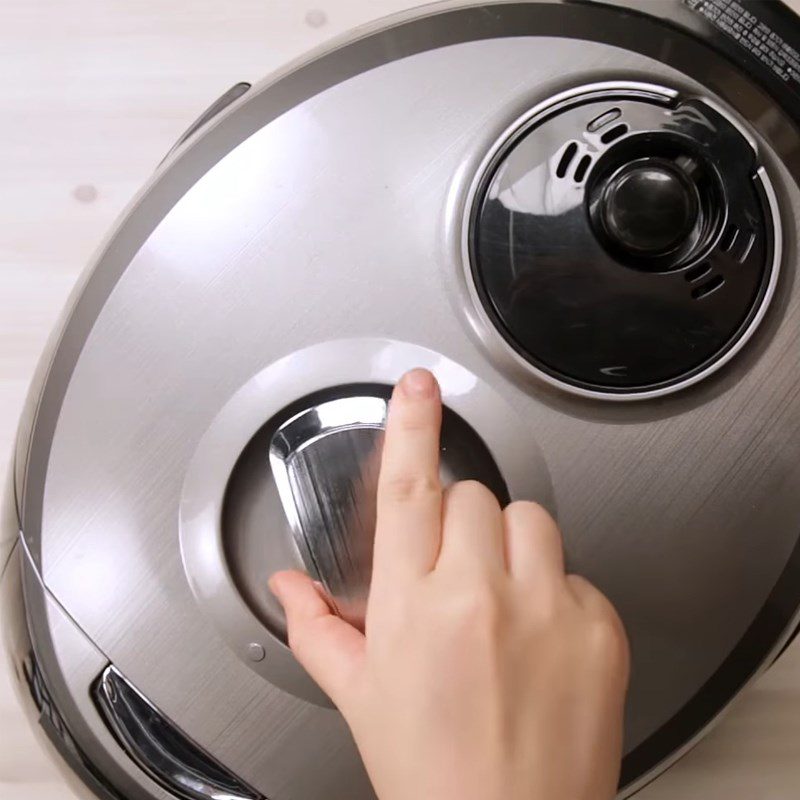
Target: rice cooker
<point x="582" y="217"/>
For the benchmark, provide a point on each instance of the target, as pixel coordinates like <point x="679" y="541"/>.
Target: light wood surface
<point x="92" y="95"/>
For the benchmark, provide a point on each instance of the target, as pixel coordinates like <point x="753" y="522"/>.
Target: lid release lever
<point x="325" y="461"/>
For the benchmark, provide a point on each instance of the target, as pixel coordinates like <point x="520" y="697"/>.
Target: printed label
<point x="754" y="34"/>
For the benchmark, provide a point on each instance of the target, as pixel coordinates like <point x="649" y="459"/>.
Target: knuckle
<point x="295" y="638"/>
<point x="589" y="596"/>
<point x="414" y="419"/>
<point x="607" y="640"/>
<point x="483" y="607"/>
<point x="606" y="636"/>
<point x="546" y="611"/>
<point x="409" y="488"/>
<point x="530" y="512"/>
<point x="579" y="584"/>
<point x="471" y="491"/>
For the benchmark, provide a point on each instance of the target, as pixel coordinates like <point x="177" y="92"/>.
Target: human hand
<point x="485" y="672"/>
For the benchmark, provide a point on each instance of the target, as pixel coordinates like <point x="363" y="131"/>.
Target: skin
<point x="484" y="672"/>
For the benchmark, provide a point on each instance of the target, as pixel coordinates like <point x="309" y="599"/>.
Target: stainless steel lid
<point x="314" y="242"/>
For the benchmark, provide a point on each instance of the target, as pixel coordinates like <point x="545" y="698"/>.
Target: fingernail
<point x="418" y="383"/>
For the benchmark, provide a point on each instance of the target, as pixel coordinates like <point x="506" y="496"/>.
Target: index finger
<point x="409" y="505"/>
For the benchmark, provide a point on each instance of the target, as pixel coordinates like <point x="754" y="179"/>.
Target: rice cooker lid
<point x="623" y="241"/>
<point x="340" y="220"/>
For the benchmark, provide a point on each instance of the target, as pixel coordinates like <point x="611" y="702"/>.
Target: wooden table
<point x="92" y="95"/>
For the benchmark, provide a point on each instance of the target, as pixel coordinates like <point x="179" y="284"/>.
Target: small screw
<point x="255" y="651"/>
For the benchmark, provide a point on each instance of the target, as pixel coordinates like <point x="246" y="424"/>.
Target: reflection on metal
<point x="160" y="749"/>
<point x="220" y="104"/>
<point x="54" y="727"/>
<point x="47" y="709"/>
<point x="325" y="461"/>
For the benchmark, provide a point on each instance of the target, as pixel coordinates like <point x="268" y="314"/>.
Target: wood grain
<point x="92" y="95"/>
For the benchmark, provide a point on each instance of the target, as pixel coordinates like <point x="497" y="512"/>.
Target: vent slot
<point x="606" y="118"/>
<point x="708" y="287"/>
<point x="748" y="246"/>
<point x="566" y="159"/>
<point x="729" y="238"/>
<point x="162" y="750"/>
<point x="582" y="168"/>
<point x="614" y="133"/>
<point x="695" y="273"/>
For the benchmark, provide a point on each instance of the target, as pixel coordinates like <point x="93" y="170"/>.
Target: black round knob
<point x="649" y="207"/>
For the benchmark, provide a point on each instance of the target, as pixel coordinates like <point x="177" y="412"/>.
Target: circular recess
<point x="625" y="244"/>
<point x="233" y="529"/>
<point x="276" y="509"/>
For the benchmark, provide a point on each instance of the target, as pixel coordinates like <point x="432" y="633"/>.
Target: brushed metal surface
<point x="683" y="511"/>
<point x="9" y="521"/>
<point x="60" y="709"/>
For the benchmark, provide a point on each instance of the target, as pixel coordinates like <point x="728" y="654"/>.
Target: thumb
<point x="330" y="650"/>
